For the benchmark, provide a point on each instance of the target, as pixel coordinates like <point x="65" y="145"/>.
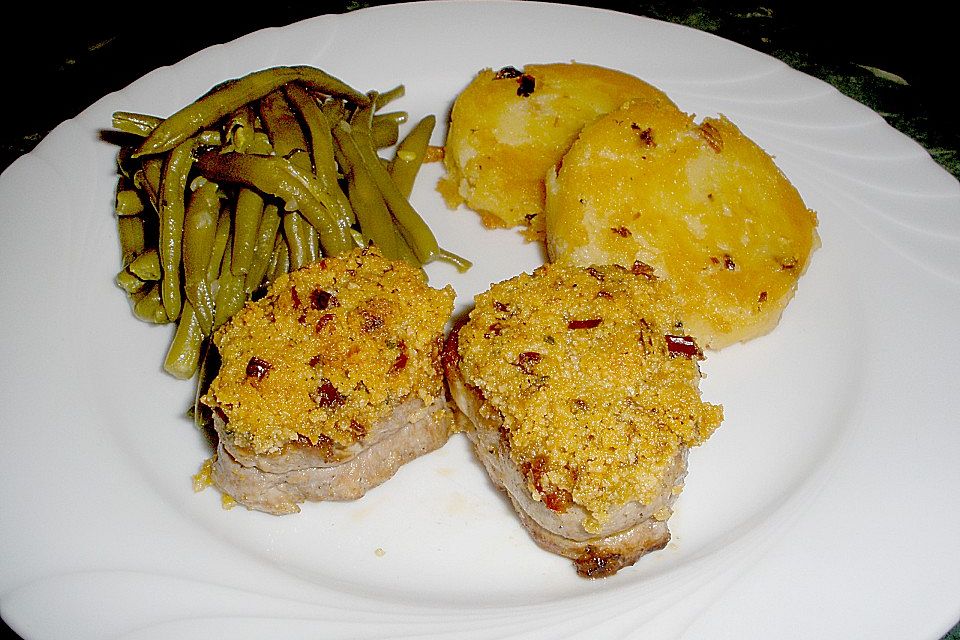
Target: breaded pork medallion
<point x="329" y="383"/>
<point x="582" y="389"/>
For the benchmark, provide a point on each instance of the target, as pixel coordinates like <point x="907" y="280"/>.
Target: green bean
<point x="412" y="227"/>
<point x="239" y="129"/>
<point x="296" y="231"/>
<point x="312" y="244"/>
<point x="228" y="96"/>
<point x="130" y="283"/>
<point x="231" y="293"/>
<point x="396" y="117"/>
<point x="376" y="223"/>
<point x="183" y="356"/>
<point x="207" y="370"/>
<point x="277" y="176"/>
<point x="461" y="264"/>
<point x="229" y="287"/>
<point x="321" y="148"/>
<point x="142" y="124"/>
<point x="173" y="186"/>
<point x="129" y="202"/>
<point x="131" y="232"/>
<point x="242" y="135"/>
<point x="139" y="124"/>
<point x="317" y="128"/>
<point x="409" y="155"/>
<point x="148" y="179"/>
<point x="289" y="140"/>
<point x="384" y="133"/>
<point x="199" y="235"/>
<point x="280" y="262"/>
<point x="334" y="110"/>
<point x="220" y="242"/>
<point x="358" y="238"/>
<point x="381" y="100"/>
<point x="263" y="249"/>
<point x="283" y="127"/>
<point x="247" y="214"/>
<point x="209" y="138"/>
<point x="146" y="266"/>
<point x="148" y="306"/>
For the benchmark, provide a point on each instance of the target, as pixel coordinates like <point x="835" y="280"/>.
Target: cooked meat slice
<point x="334" y="373"/>
<point x="277" y="483"/>
<point x="631" y="531"/>
<point x="582" y="409"/>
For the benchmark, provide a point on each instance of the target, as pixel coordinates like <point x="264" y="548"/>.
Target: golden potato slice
<point x="703" y="205"/>
<point x="508" y="128"/>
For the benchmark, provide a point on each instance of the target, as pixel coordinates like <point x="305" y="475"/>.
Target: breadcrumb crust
<point x="329" y="351"/>
<point x="594" y="404"/>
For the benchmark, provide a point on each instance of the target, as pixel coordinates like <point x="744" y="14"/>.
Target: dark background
<point x="59" y="61"/>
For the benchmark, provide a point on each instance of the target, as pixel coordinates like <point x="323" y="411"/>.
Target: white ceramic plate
<point x="825" y="506"/>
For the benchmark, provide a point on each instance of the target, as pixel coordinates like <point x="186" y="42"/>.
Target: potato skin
<point x="702" y="204"/>
<point x="501" y="142"/>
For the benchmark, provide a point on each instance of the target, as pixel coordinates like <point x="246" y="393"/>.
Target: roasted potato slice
<point x="508" y="128"/>
<point x="702" y="204"/>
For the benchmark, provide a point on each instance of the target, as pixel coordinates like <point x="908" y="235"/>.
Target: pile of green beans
<point x="260" y="176"/>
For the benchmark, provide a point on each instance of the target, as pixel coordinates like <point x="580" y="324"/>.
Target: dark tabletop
<point x="897" y="61"/>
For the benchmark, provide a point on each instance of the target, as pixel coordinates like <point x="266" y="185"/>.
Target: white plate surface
<point x="826" y="506"/>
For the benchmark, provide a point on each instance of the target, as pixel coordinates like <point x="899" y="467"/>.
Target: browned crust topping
<point x="328" y="352"/>
<point x="582" y="365"/>
<point x="595" y="564"/>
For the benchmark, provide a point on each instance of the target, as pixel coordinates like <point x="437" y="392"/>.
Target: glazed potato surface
<point x="702" y="204"/>
<point x="509" y="128"/>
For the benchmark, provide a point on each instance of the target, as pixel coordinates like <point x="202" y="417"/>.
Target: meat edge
<point x="593" y="557"/>
<point x="280" y="493"/>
